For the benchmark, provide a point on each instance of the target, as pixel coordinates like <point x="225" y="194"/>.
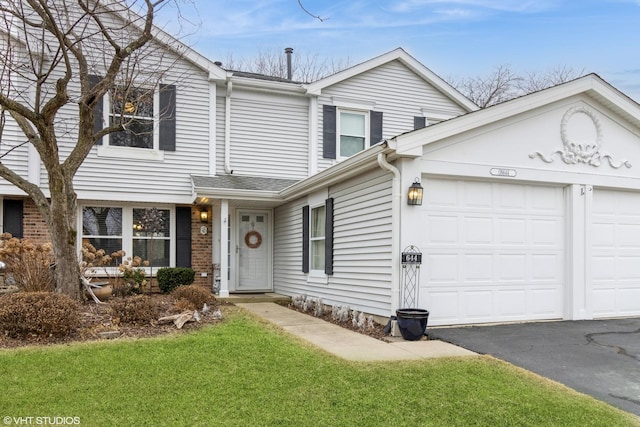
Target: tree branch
<point x="311" y="14"/>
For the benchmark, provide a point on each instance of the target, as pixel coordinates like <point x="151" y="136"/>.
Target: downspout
<point x="396" y="200"/>
<point x="227" y="129"/>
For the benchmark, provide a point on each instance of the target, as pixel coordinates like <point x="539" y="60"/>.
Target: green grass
<point x="246" y="373"/>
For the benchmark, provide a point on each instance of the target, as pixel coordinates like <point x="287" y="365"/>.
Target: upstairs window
<point x="353" y="133"/>
<point x="148" y="115"/>
<point x="132" y="107"/>
<point x="346" y="132"/>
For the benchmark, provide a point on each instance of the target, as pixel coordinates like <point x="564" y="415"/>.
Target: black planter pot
<point x="412" y="322"/>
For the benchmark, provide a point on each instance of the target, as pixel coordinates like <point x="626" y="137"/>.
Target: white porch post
<point x="224" y="248"/>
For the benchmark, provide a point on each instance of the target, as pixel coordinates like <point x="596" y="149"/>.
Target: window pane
<point x="317" y="254"/>
<point x="132" y="102"/>
<point x="352" y="124"/>
<point x="102" y="228"/>
<point x="350" y="145"/>
<point x="156" y="251"/>
<point x="317" y="222"/>
<point x="101" y="221"/>
<point x="150" y="222"/>
<point x="139" y="134"/>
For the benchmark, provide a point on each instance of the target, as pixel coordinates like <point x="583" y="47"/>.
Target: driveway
<point x="596" y="357"/>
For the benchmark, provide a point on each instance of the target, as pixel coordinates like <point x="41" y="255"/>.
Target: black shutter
<point x="168" y="117"/>
<point x="12" y="217"/>
<point x="328" y="237"/>
<point x="98" y="108"/>
<point x="329" y="132"/>
<point x="375" y="125"/>
<point x="305" y="239"/>
<point x="183" y="237"/>
<point x="419" y="122"/>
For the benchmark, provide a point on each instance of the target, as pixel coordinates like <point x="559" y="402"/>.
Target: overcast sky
<point x="454" y="38"/>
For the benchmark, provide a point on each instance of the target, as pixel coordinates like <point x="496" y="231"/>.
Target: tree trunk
<point x="62" y="228"/>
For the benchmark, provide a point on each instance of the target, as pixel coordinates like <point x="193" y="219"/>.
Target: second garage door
<point x="493" y="251"/>
<point x="615" y="246"/>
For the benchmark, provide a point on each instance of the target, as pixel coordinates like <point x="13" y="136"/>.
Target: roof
<point x="239" y="182"/>
<point x="591" y="85"/>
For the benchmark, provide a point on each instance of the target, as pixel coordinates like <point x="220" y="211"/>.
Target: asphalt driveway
<point x="596" y="357"/>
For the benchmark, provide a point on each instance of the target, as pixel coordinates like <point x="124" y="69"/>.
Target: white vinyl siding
<point x="168" y="178"/>
<point x="362" y="247"/>
<point x="397" y="92"/>
<point x="269" y="135"/>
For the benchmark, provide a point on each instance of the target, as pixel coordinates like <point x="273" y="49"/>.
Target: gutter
<point x="396" y="200"/>
<point x="227" y="129"/>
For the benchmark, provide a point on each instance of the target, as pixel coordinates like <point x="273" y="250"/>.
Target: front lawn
<point x="245" y="373"/>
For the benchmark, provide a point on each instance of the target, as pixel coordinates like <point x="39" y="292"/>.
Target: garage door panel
<point x="442" y="268"/>
<point x="512" y="231"/>
<point x="477" y="195"/>
<point x="629" y="236"/>
<point x="547" y="232"/>
<point x="506" y="258"/>
<point x="629" y="268"/>
<point x="478" y="305"/>
<point x="547" y="267"/>
<point x="442" y="229"/>
<point x="512" y="267"/>
<point x="478" y="267"/>
<point x="512" y="303"/>
<point x="603" y="267"/>
<point x="546" y="301"/>
<point x="478" y="231"/>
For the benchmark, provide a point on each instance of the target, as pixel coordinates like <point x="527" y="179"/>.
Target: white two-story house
<point x="529" y="208"/>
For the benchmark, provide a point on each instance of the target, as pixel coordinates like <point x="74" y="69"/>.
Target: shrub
<point x="195" y="295"/>
<point x="135" y="309"/>
<point x="28" y="263"/>
<point x="170" y="278"/>
<point x="38" y="313"/>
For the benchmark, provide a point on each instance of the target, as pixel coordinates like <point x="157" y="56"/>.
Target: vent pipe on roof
<point x="288" y="51"/>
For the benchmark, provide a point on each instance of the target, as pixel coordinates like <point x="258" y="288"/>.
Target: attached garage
<point x="531" y="208"/>
<point x="494" y="251"/>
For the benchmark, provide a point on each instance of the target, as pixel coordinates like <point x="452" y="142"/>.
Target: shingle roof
<point x="238" y="182"/>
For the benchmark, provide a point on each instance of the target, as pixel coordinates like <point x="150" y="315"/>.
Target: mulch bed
<point x="97" y="318"/>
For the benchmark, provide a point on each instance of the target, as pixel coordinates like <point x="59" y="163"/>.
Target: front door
<point x="254" y="251"/>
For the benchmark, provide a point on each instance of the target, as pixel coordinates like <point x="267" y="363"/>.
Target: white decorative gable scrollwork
<point x="573" y="152"/>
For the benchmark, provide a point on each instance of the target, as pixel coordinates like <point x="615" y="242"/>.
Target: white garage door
<point x="615" y="253"/>
<point x="492" y="252"/>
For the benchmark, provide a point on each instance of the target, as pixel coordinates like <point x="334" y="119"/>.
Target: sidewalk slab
<point x="348" y="344"/>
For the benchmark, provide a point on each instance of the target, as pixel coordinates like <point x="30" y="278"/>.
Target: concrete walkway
<point x="348" y="344"/>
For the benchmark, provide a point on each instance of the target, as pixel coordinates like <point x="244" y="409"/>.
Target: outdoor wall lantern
<point x="204" y="215"/>
<point x="414" y="196"/>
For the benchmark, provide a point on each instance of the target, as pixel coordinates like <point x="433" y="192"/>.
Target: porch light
<point x="204" y="215"/>
<point x="414" y="196"/>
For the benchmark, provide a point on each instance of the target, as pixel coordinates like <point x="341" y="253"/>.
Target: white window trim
<point x="315" y="200"/>
<point x="367" y="126"/>
<point x="127" y="231"/>
<point x="433" y="117"/>
<point x="117" y="152"/>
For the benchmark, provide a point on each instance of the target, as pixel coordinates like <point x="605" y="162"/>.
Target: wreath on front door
<point x="253" y="239"/>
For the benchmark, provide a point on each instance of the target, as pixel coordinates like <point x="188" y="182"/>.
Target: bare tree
<point x="50" y="51"/>
<point x="503" y="84"/>
<point x="305" y="68"/>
